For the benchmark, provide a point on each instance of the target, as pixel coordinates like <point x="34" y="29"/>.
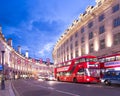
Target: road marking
<point x="67" y="93"/>
<point x="51" y="88"/>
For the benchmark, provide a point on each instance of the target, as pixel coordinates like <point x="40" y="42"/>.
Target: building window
<point x="101" y="29"/>
<point x="116" y="22"/>
<point x="76" y="34"/>
<point x="91" y="48"/>
<point x="71" y="55"/>
<point x="115" y="8"/>
<point x="82" y="30"/>
<point x="71" y="38"/>
<point x="76" y="53"/>
<point x="90" y="24"/>
<point x="117" y="39"/>
<point x="76" y="43"/>
<point x="82" y="50"/>
<point x="71" y="46"/>
<point x="101" y="17"/>
<point x="82" y="40"/>
<point x="64" y="58"/>
<point x="102" y="44"/>
<point x="90" y="35"/>
<point x="67" y="57"/>
<point x="67" y="49"/>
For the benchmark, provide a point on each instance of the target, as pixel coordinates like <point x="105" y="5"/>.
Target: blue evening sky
<point x="36" y="25"/>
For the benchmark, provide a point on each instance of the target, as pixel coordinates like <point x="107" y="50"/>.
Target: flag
<point x="41" y="61"/>
<point x="33" y="60"/>
<point x="18" y="60"/>
<point x="48" y="61"/>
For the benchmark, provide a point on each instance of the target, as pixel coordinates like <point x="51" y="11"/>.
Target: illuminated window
<point x="83" y="50"/>
<point x="71" y="55"/>
<point x="102" y="44"/>
<point x="91" y="48"/>
<point x="76" y="53"/>
<point x="117" y="39"/>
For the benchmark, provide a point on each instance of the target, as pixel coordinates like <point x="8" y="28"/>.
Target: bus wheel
<point x="74" y="80"/>
<point x="107" y="82"/>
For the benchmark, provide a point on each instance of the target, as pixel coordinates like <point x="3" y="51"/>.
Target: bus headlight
<point x="88" y="79"/>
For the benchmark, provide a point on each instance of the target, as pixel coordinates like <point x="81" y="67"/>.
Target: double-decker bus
<point x="110" y="64"/>
<point x="82" y="69"/>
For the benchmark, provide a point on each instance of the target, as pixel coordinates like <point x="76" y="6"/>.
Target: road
<point x="54" y="88"/>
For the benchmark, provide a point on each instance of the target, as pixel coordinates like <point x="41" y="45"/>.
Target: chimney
<point x="10" y="42"/>
<point x="19" y="49"/>
<point x="0" y="29"/>
<point x="26" y="53"/>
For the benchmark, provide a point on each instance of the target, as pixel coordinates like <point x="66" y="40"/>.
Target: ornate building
<point x="96" y="32"/>
<point x="17" y="65"/>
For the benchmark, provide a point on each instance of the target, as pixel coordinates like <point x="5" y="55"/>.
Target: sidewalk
<point x="8" y="89"/>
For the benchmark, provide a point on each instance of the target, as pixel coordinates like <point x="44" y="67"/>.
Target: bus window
<point x="117" y="57"/>
<point x="80" y="71"/>
<point x="94" y="72"/>
<point x="77" y="61"/>
<point x="102" y="60"/>
<point x="110" y="59"/>
<point x="68" y="63"/>
<point x="67" y="73"/>
<point x="82" y="60"/>
<point x="91" y="60"/>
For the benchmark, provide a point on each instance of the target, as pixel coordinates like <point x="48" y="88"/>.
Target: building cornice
<point x="89" y="14"/>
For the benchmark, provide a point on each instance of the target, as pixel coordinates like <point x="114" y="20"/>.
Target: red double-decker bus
<point x="82" y="69"/>
<point x="110" y="69"/>
<point x="110" y="62"/>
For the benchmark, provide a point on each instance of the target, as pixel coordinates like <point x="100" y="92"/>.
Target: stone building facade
<point x="96" y="32"/>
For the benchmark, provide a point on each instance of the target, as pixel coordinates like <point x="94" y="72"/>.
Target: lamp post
<point x="3" y="79"/>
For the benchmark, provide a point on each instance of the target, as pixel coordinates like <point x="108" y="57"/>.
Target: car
<point x="51" y="78"/>
<point x="111" y="77"/>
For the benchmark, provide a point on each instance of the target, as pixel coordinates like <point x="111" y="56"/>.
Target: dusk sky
<point x="36" y="25"/>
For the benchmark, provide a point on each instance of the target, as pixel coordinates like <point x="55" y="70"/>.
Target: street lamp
<point x="3" y="79"/>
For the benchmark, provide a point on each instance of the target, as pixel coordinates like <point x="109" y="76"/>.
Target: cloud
<point x="46" y="49"/>
<point x="25" y="48"/>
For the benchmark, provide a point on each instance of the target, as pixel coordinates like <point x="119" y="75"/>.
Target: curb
<point x="14" y="90"/>
<point x="11" y="89"/>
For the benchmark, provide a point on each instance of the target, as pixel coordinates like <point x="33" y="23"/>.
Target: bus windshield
<point x="94" y="72"/>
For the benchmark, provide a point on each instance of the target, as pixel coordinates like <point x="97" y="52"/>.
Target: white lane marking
<point x="51" y="88"/>
<point x="67" y="93"/>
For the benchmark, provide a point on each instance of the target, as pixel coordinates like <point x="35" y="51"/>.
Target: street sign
<point x="1" y="68"/>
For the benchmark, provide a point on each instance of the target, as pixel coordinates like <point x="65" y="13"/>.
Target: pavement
<point x="8" y="91"/>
